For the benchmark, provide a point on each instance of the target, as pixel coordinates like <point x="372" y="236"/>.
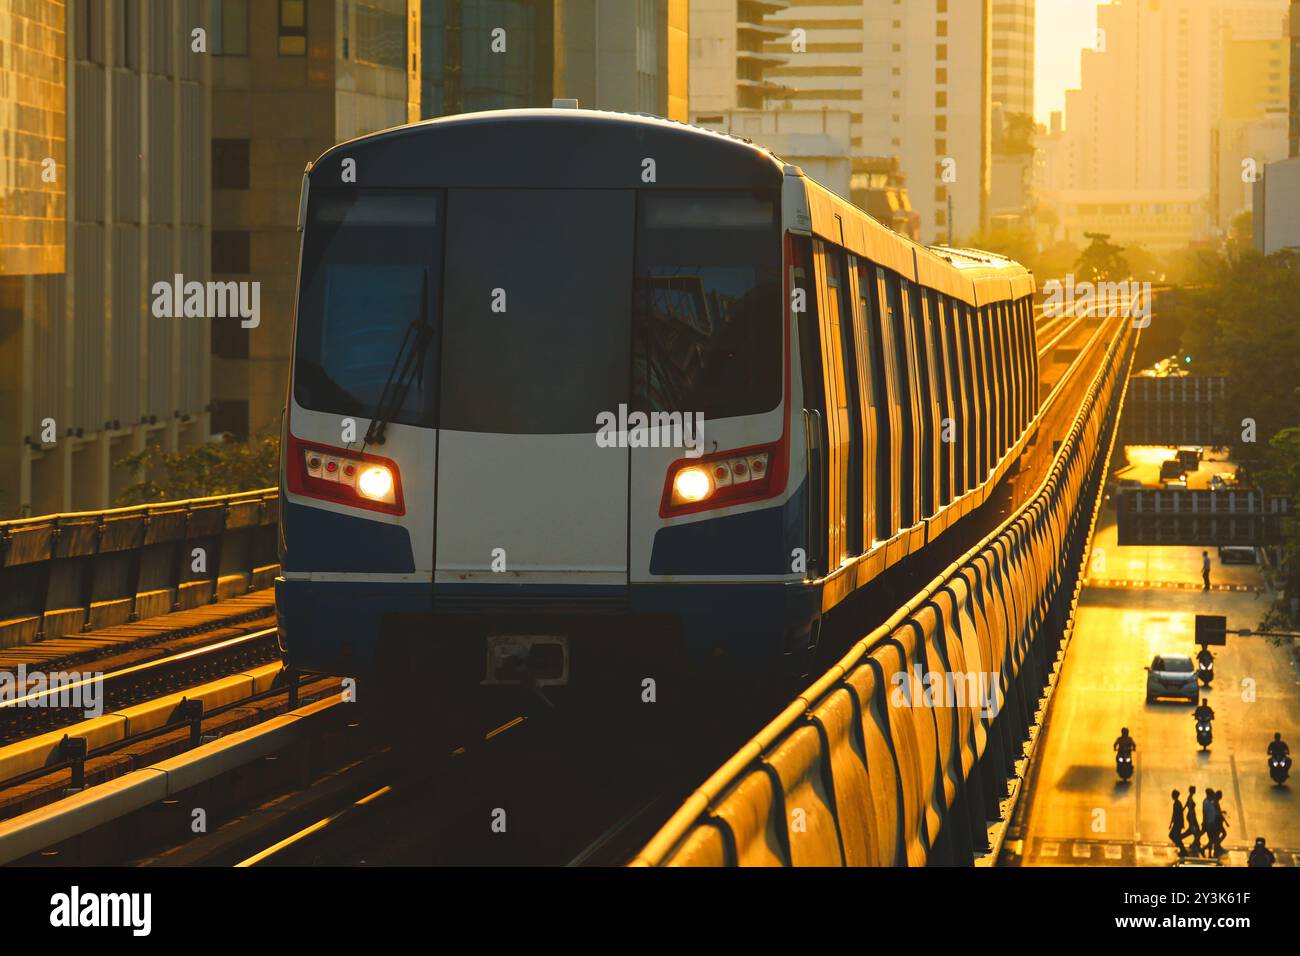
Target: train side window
<point x="869" y="300"/>
<point x="1004" y="379"/>
<point x="1009" y="367"/>
<point x="1011" y="326"/>
<point x="897" y="329"/>
<point x="944" y="385"/>
<point x="1025" y="374"/>
<point x="983" y="390"/>
<point x="814" y="401"/>
<point x="962" y="398"/>
<point x="839" y="305"/>
<point x="925" y="431"/>
<point x="1031" y="357"/>
<point x="997" y="400"/>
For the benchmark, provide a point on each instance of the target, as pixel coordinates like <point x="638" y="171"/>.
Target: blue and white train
<point x="574" y="387"/>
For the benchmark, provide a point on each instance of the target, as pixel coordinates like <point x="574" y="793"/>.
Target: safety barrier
<point x="62" y="574"/>
<point x="900" y="753"/>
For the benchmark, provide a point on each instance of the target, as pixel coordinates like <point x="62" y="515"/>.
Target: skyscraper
<point x="94" y="372"/>
<point x="729" y="63"/>
<point x="916" y="79"/>
<point x="1013" y="55"/>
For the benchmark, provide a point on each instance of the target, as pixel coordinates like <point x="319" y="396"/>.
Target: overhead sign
<point x="1244" y="517"/>
<point x="1173" y="411"/>
<point x="1211" y="629"/>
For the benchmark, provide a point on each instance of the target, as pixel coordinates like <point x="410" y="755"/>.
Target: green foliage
<point x="1017" y="135"/>
<point x="1281" y="475"/>
<point x="213" y="468"/>
<point x="1243" y="323"/>
<point x="1102" y="261"/>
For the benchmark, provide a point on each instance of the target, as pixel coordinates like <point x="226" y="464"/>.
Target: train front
<point x="538" y="426"/>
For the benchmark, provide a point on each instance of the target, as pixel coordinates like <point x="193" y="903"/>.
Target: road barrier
<point x="67" y="573"/>
<point x="865" y="770"/>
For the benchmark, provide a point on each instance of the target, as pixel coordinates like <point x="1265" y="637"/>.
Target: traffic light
<point x="1187" y="360"/>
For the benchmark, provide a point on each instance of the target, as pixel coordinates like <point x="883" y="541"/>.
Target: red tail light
<point x="348" y="477"/>
<point x="723" y="479"/>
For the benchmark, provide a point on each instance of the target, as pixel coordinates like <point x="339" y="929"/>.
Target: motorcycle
<point x="1205" y="672"/>
<point x="1279" y="768"/>
<point x="1203" y="735"/>
<point x="1124" y="765"/>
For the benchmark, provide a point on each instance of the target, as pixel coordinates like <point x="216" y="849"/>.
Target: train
<point x="577" y="393"/>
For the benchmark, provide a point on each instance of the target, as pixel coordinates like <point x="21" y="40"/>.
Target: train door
<point x="532" y="485"/>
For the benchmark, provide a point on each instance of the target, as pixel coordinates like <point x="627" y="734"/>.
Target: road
<point x="1141" y="602"/>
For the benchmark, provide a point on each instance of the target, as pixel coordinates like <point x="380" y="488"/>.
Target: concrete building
<point x="290" y="79"/>
<point x="1277" y="207"/>
<point x="915" y="78"/>
<point x="1160" y="220"/>
<point x="817" y="141"/>
<point x="1012" y="65"/>
<point x="626" y="55"/>
<point x="93" y="372"/>
<point x="1293" y="108"/>
<point x="729" y="65"/>
<point x="1139" y="130"/>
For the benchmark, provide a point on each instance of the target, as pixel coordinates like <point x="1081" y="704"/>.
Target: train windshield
<point x="370" y="271"/>
<point x="552" y="306"/>
<point x="707" y="309"/>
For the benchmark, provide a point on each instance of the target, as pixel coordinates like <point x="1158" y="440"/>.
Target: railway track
<point x="539" y="787"/>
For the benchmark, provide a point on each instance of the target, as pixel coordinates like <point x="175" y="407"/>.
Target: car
<point x="1190" y="456"/>
<point x="1224" y="481"/>
<point x="1171" y="468"/>
<point x="1236" y="554"/>
<point x="1128" y="484"/>
<point x="1174" y="484"/>
<point x="1171" y="675"/>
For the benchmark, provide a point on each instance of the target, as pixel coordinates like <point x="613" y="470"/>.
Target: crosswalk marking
<point x="1120" y="583"/>
<point x="1082" y="852"/>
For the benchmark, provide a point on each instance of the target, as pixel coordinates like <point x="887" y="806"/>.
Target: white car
<point x="1171" y="675"/>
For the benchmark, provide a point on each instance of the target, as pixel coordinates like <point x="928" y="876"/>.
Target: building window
<point x="229" y="341"/>
<point x="941" y="99"/>
<point x="940" y="123"/>
<point x="942" y="6"/>
<point x="941" y="28"/>
<point x="941" y="149"/>
<point x="230" y="27"/>
<point x="230" y="416"/>
<point x="941" y="75"/>
<point x="941" y="51"/>
<point x="230" y="252"/>
<point x="230" y="164"/>
<point x="293" y="27"/>
<point x="940" y="219"/>
<point x="381" y="37"/>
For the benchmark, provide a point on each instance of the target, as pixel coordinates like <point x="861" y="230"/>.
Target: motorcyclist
<point x="1204" y="657"/>
<point x="1260" y="855"/>
<point x="1277" y="748"/>
<point x="1124" y="744"/>
<point x="1204" y="713"/>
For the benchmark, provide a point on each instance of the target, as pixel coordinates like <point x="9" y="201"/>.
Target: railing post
<point x="191" y="710"/>
<point x="73" y="749"/>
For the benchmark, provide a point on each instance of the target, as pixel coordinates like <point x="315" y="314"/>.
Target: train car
<point x="572" y="389"/>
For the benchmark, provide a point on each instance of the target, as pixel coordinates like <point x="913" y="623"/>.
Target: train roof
<point x="605" y="149"/>
<point x="569" y="148"/>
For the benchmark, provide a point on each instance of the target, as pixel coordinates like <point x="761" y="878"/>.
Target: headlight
<point x="376" y="483"/>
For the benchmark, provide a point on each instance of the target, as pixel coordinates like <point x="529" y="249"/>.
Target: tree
<point x="1281" y="475"/>
<point x="1242" y="324"/>
<point x="212" y="468"/>
<point x="1013" y="243"/>
<point x="1102" y="261"/>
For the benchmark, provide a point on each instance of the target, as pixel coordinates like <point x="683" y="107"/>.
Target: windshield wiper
<point x="405" y="362"/>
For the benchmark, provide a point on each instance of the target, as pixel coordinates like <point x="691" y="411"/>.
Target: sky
<point x="1062" y="29"/>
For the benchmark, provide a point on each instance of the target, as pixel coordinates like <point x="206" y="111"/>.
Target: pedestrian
<point x="1205" y="569"/>
<point x="1210" y="819"/>
<point x="1176" y="823"/>
<point x="1193" y="826"/>
<point x="1223" y="823"/>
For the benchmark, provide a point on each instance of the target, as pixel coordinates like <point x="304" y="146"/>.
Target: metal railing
<point x="67" y="573"/>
